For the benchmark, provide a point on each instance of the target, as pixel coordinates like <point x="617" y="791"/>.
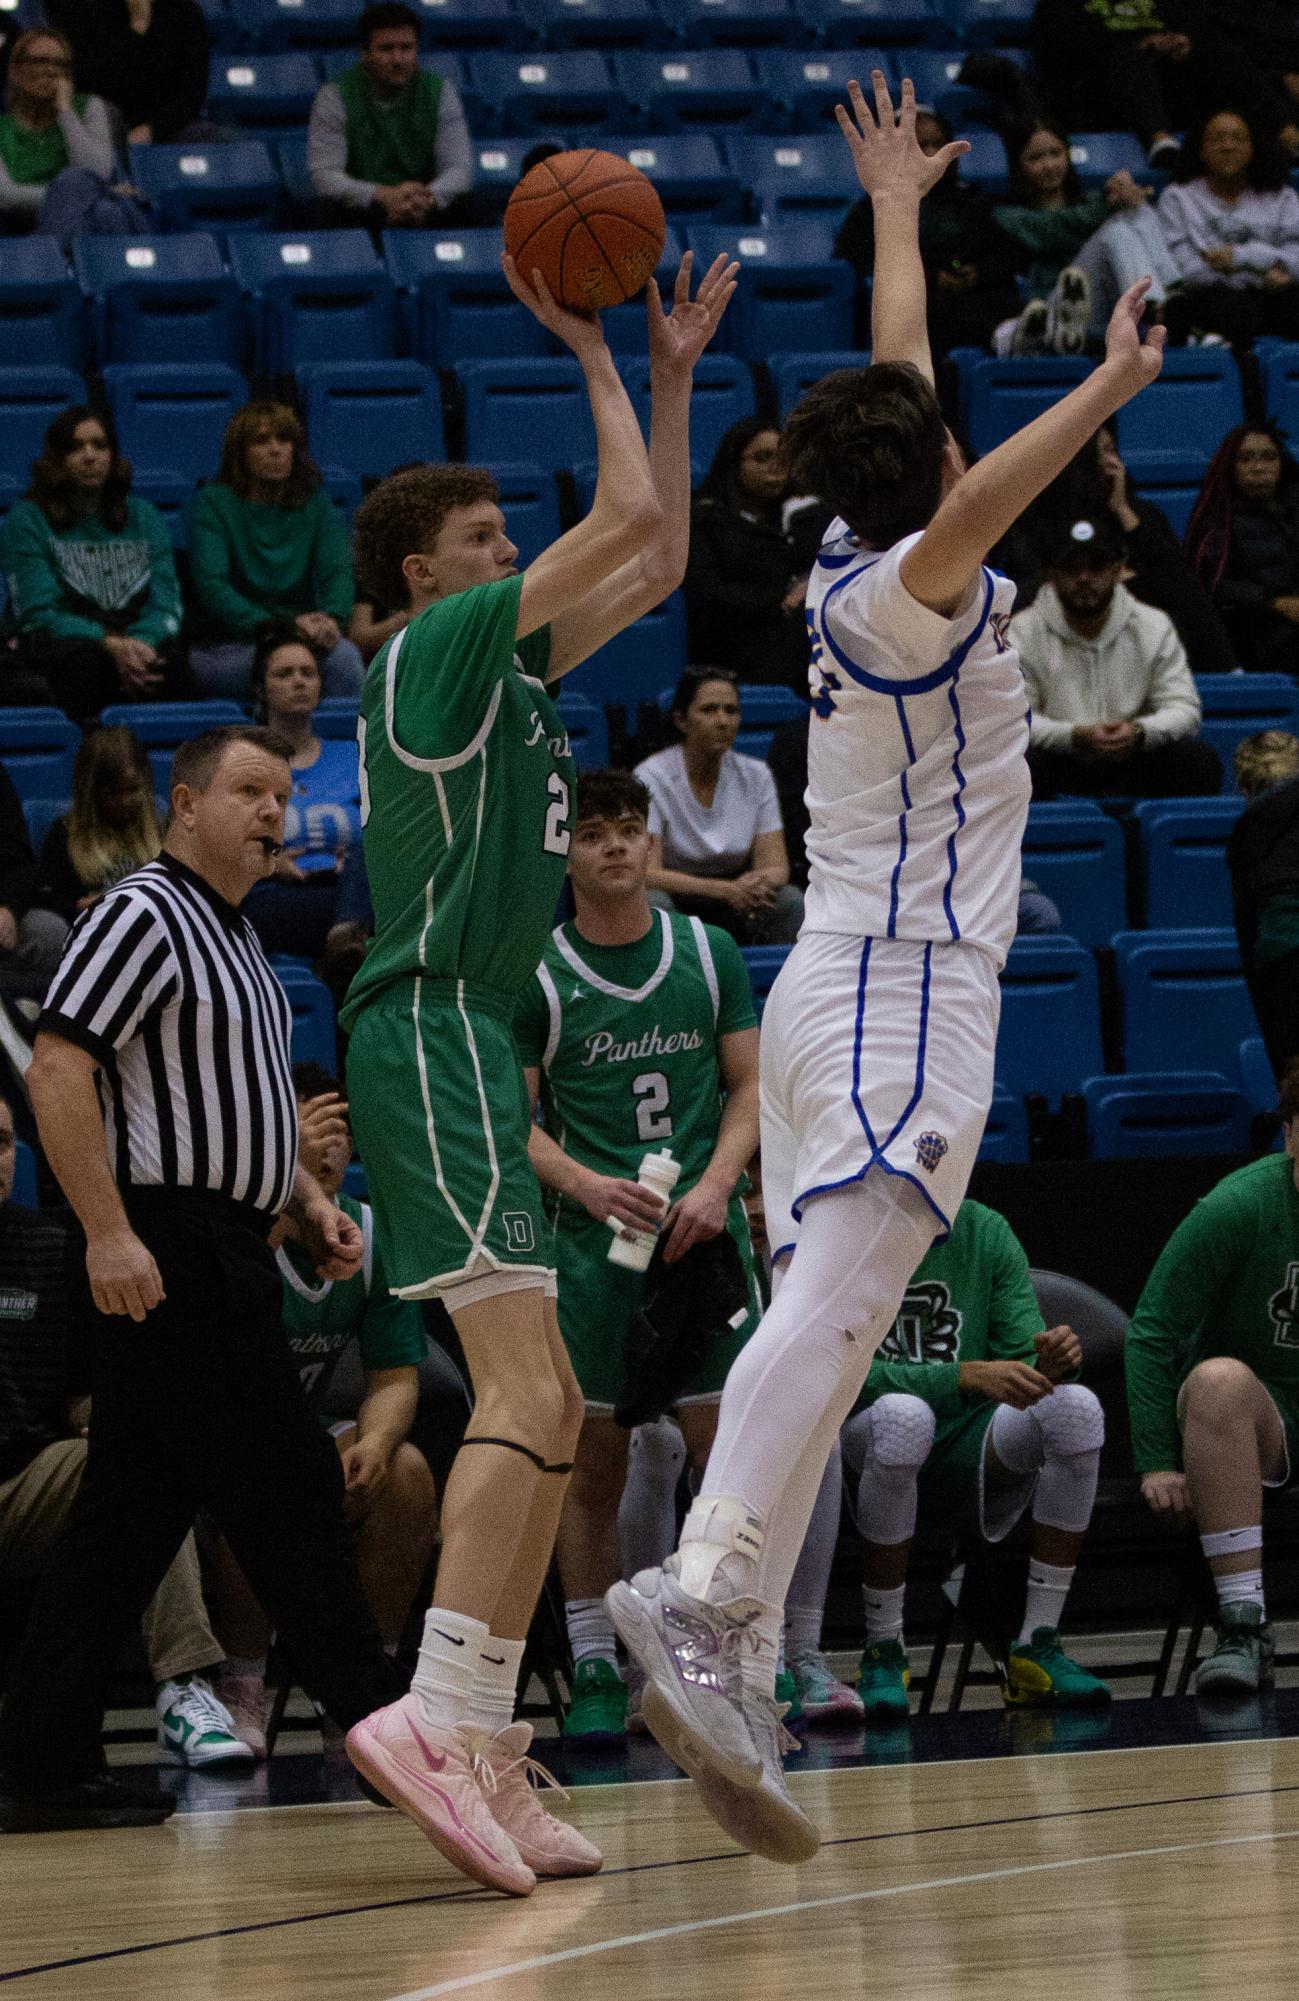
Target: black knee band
<point x="560" y="1466"/>
<point x="509" y="1445"/>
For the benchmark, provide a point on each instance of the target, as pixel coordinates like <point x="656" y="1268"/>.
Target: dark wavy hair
<point x="1208" y="532"/>
<point x="608" y="795"/>
<point x="1020" y="190"/>
<point x="870" y="442"/>
<point x="1266" y="171"/>
<point x="720" y="485"/>
<point x="51" y="487"/>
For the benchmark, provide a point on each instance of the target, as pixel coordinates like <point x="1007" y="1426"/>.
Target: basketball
<point x="591" y="223"/>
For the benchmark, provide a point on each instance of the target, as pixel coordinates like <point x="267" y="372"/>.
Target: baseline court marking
<point x="576" y="1952"/>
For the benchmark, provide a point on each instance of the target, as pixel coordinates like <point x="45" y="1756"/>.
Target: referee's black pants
<point x="197" y="1407"/>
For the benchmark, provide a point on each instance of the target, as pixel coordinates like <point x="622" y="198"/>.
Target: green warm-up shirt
<point x="321" y="1316"/>
<point x="87" y="580"/>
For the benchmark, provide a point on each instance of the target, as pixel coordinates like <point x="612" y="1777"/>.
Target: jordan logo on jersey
<point x="930" y="1148"/>
<point x="1283" y="1310"/>
<point x="927" y="1329"/>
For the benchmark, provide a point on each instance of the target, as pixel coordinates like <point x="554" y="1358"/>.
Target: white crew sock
<point x="802" y="1630"/>
<point x="590" y="1630"/>
<point x="1240" y="1587"/>
<point x="1048" y="1587"/>
<point x="446" y="1673"/>
<point x="883" y="1613"/>
<point x="498" y="1679"/>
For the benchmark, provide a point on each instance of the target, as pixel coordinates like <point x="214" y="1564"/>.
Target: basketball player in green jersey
<point x="635" y="1025"/>
<point x="466" y="802"/>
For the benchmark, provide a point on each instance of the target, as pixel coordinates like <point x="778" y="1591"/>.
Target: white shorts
<point x="874" y="1053"/>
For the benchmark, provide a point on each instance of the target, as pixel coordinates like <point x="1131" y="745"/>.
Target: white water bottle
<point x="659" y="1172"/>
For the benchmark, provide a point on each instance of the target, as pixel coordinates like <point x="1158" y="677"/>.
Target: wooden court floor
<point x="1094" y="1875"/>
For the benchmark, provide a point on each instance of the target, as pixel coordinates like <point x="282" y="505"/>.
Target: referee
<point x="161" y="1086"/>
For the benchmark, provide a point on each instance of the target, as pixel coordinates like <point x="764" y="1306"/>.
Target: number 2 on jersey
<point x="556" y="838"/>
<point x="653" y="1112"/>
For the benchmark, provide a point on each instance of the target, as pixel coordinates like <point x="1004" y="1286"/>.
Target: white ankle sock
<point x="446" y="1673"/>
<point x="590" y="1630"/>
<point x="1240" y="1587"/>
<point x="498" y="1677"/>
<point x="883" y="1613"/>
<point x="802" y="1630"/>
<point x="1048" y="1587"/>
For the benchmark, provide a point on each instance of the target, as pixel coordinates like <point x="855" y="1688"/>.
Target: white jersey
<point x="918" y="784"/>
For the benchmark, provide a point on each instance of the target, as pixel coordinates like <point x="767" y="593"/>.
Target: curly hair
<point x="403" y="517"/>
<point x="266" y="418"/>
<point x="610" y="795"/>
<point x="870" y="442"/>
<point x="51" y="487"/>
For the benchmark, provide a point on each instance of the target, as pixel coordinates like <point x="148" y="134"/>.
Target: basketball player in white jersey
<point x="878" y="1038"/>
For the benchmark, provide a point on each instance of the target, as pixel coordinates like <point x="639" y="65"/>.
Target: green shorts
<point x="441" y="1117"/>
<point x="597" y="1301"/>
<point x="953" y="1492"/>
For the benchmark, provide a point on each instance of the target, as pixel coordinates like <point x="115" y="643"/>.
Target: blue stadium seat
<point x="1165" y="1114"/>
<point x="1171" y="431"/>
<point x="1002" y="396"/>
<point x="313" y="1038"/>
<point x="790" y="178"/>
<point x="322" y="295"/>
<point x="30" y="400"/>
<point x="860" y="23"/>
<point x="793" y="373"/>
<point x="39" y="748"/>
<point x="267" y="96"/>
<point x="762" y="710"/>
<point x="498" y="164"/>
<point x="1183" y="860"/>
<point x="365" y="417"/>
<point x="722" y="394"/>
<point x="171" y="417"/>
<point x="230" y="187"/>
<point x="1175" y="503"/>
<point x="355" y="1182"/>
<point x="285" y="24"/>
<point x="1074" y="854"/>
<point x="1005" y="1137"/>
<point x="936" y="75"/>
<point x="1097" y="155"/>
<point x="40" y="815"/>
<point x="571" y="89"/>
<point x="160" y="726"/>
<point x="26" y="1191"/>
<point x="541" y="401"/>
<point x="336" y="717"/>
<point x="764" y="963"/>
<point x="588" y="732"/>
<point x="455" y="300"/>
<point x="808" y="83"/>
<point x="977" y="23"/>
<point x="1050" y="1034"/>
<point x="1279" y="366"/>
<point x="170" y="493"/>
<point x="153" y="296"/>
<point x="1256" y="1078"/>
<point x="633" y="667"/>
<point x="529" y="500"/>
<point x="788" y="283"/>
<point x="1236" y="705"/>
<point x="985" y="164"/>
<point x="595" y="24"/>
<point x="40" y="308"/>
<point x="733" y="23"/>
<point x="688" y="171"/>
<point x="467" y="24"/>
<point x="681" y="90"/>
<point x="1184" y="999"/>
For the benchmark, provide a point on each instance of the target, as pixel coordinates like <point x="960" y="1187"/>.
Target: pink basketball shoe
<point x="511" y="1783"/>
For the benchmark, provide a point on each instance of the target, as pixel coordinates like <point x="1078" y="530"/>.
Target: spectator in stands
<point x="1078" y="251"/>
<point x="390" y="1498"/>
<point x="92" y="579"/>
<point x="56" y="149"/>
<point x="1243" y="542"/>
<point x="44" y="1415"/>
<point x="31" y="934"/>
<point x="746" y="578"/>
<point x="297" y="908"/>
<point x="1114" y="707"/>
<point x="388" y="142"/>
<point x="969" y="260"/>
<point x="1232" y="224"/>
<point x="1263" y="857"/>
<point x="718" y="847"/>
<point x="149" y="58"/>
<point x="1213" y="1388"/>
<point x="267" y="543"/>
<point x="111" y="827"/>
<point x="968" y="1410"/>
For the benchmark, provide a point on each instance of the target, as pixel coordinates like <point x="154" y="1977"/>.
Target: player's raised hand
<point x="885" y="150"/>
<point x="1132" y="362"/>
<point x="677" y="339"/>
<point x="581" y="332"/>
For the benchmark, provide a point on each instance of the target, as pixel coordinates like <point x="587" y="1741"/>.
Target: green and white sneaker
<point x="194" y="1728"/>
<point x="1242" y="1657"/>
<point x="1041" y="1674"/>
<point x="789" y="1701"/>
<point x="597" y="1712"/>
<point x="883" y="1680"/>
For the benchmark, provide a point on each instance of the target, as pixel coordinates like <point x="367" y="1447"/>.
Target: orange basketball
<point x="592" y="225"/>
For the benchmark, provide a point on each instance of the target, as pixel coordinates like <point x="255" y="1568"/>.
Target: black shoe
<point x="99" y="1802"/>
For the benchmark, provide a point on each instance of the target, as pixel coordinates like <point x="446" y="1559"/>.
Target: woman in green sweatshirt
<point x="266" y="544"/>
<point x="92" y="583"/>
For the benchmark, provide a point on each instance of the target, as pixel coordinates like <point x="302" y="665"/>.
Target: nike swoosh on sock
<point x="448" y="1636"/>
<point x="492" y="1658"/>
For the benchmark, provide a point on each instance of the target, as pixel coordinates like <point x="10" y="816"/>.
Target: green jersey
<point x="971" y="1300"/>
<point x="322" y="1315"/>
<point x="626" y="1039"/>
<point x="1227" y="1283"/>
<point x="466" y="795"/>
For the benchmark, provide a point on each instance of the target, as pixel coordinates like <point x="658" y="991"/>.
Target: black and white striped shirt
<point x="164" y="983"/>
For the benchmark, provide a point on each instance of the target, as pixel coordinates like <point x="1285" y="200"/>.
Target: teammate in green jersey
<point x="639" y="1032"/>
<point x="1212" y="1359"/>
<point x="965" y="1411"/>
<point x="466" y="806"/>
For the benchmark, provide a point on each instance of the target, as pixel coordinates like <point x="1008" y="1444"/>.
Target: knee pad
<point x="1071" y="1421"/>
<point x="902" y="1430"/>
